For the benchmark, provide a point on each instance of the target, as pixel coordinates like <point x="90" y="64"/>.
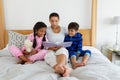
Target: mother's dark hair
<point x="54" y="15"/>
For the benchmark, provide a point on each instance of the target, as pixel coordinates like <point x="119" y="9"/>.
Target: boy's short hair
<point x="73" y="25"/>
<point x="54" y="15"/>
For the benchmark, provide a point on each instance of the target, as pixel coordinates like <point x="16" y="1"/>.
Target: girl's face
<point x="54" y="21"/>
<point x="72" y="32"/>
<point x="41" y="32"/>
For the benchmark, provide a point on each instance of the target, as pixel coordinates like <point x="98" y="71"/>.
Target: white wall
<point x="107" y="9"/>
<point x="23" y="14"/>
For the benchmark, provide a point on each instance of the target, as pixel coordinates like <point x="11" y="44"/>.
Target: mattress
<point x="97" y="68"/>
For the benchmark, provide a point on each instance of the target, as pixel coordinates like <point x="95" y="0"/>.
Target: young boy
<point x="75" y="50"/>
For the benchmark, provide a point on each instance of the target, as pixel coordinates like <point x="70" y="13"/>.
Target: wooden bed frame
<point x="89" y="35"/>
<point x="86" y="35"/>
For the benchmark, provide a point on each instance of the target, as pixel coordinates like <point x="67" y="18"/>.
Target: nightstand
<point x="114" y="57"/>
<point x="105" y="49"/>
<point x="108" y="51"/>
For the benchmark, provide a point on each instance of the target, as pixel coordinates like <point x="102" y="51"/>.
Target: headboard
<point x="85" y="32"/>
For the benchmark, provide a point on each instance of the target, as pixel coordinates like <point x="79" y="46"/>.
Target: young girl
<point x="38" y="52"/>
<point x="57" y="57"/>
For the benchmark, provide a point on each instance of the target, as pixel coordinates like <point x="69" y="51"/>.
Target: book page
<point x="50" y="44"/>
<point x="65" y="44"/>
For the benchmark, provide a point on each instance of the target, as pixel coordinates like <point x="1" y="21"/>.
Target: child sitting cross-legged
<point x="75" y="50"/>
<point x="38" y="52"/>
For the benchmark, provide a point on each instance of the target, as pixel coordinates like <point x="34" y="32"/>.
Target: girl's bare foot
<point x="20" y="62"/>
<point x="29" y="62"/>
<point x="67" y="71"/>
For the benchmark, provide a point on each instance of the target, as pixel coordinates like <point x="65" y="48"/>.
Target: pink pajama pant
<point x="16" y="52"/>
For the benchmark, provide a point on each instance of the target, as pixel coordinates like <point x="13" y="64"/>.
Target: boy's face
<point x="72" y="32"/>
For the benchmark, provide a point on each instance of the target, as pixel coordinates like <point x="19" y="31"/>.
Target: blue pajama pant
<point x="83" y="53"/>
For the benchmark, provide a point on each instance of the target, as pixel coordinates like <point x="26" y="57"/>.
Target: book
<point x="51" y="44"/>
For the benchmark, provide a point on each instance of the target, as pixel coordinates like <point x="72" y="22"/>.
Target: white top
<point x="56" y="37"/>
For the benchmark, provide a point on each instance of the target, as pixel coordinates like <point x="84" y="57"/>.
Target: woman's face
<point x="54" y="21"/>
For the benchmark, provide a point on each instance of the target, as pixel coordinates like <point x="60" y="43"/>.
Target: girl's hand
<point x="34" y="51"/>
<point x="26" y="53"/>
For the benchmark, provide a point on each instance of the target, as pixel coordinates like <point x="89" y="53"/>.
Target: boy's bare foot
<point x="74" y="65"/>
<point x="79" y="65"/>
<point x="67" y="71"/>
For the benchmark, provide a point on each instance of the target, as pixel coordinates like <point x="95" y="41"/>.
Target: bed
<point x="97" y="68"/>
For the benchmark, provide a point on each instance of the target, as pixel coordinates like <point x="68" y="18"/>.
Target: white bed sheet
<point x="98" y="68"/>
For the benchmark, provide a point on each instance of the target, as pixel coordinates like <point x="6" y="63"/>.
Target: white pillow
<point x="16" y="39"/>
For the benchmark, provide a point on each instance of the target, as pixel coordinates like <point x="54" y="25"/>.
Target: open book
<point x="51" y="44"/>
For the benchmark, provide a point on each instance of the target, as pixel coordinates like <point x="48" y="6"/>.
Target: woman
<point x="57" y="57"/>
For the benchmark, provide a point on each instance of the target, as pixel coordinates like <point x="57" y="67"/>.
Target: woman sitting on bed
<point x="38" y="52"/>
<point x="57" y="57"/>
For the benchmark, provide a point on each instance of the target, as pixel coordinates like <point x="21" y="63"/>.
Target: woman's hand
<point x="58" y="47"/>
<point x="54" y="48"/>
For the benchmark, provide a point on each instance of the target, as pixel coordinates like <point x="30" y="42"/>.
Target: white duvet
<point x="98" y="68"/>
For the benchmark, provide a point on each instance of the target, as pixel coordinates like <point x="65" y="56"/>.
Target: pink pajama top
<point x="38" y="40"/>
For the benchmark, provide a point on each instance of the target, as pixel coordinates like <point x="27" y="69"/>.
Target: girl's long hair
<point x="36" y="27"/>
